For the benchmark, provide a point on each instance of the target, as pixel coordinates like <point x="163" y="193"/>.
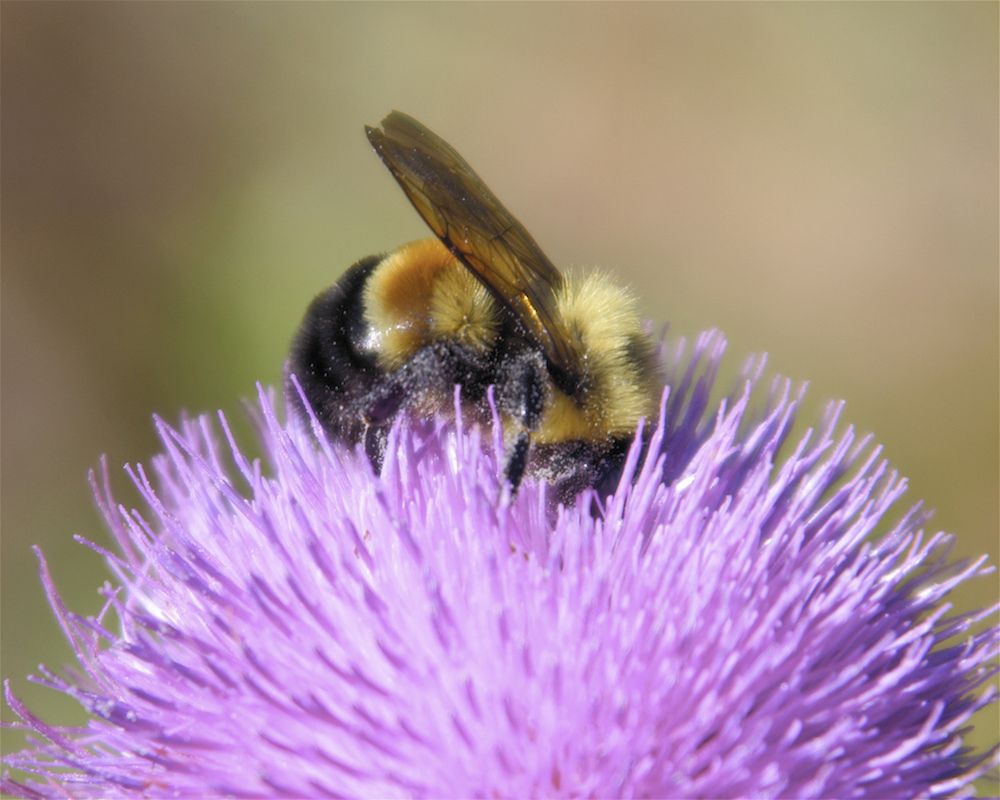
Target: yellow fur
<point x="421" y="293"/>
<point x="602" y="324"/>
<point x="463" y="310"/>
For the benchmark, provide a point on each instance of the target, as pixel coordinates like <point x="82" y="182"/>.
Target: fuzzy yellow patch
<point x="421" y="293"/>
<point x="463" y="310"/>
<point x="604" y="328"/>
<point x="397" y="299"/>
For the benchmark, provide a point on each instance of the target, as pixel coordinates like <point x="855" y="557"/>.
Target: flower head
<point x="746" y="616"/>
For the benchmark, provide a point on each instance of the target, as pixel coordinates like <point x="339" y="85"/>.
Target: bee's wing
<point x="475" y="226"/>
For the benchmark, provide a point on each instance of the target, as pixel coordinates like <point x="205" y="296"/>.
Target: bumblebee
<point x="480" y="305"/>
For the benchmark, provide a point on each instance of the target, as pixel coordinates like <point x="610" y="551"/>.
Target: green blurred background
<point x="819" y="181"/>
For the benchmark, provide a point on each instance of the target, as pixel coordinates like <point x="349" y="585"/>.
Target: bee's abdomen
<point x="331" y="356"/>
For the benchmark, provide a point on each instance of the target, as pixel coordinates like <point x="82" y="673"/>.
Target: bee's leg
<point x="517" y="460"/>
<point x="523" y="394"/>
<point x="378" y="407"/>
<point x="374" y="441"/>
<point x="383" y="402"/>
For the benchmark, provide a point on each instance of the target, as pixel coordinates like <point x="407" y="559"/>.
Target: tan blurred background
<point x="819" y="181"/>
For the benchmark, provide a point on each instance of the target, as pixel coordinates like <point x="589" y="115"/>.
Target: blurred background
<point x="817" y="180"/>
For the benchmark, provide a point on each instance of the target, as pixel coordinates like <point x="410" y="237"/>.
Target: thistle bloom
<point x="747" y="616"/>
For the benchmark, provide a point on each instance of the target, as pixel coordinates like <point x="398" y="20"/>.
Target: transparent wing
<point x="475" y="226"/>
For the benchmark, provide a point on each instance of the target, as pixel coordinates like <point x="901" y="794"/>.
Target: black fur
<point x="329" y="356"/>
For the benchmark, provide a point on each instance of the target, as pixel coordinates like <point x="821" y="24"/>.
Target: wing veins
<point x="478" y="229"/>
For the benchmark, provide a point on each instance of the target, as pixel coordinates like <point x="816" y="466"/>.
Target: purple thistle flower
<point x="747" y="616"/>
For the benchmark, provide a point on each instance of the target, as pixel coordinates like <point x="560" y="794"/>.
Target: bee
<point x="479" y="305"/>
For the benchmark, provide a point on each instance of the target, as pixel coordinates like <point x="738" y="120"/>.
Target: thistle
<point x="749" y="614"/>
